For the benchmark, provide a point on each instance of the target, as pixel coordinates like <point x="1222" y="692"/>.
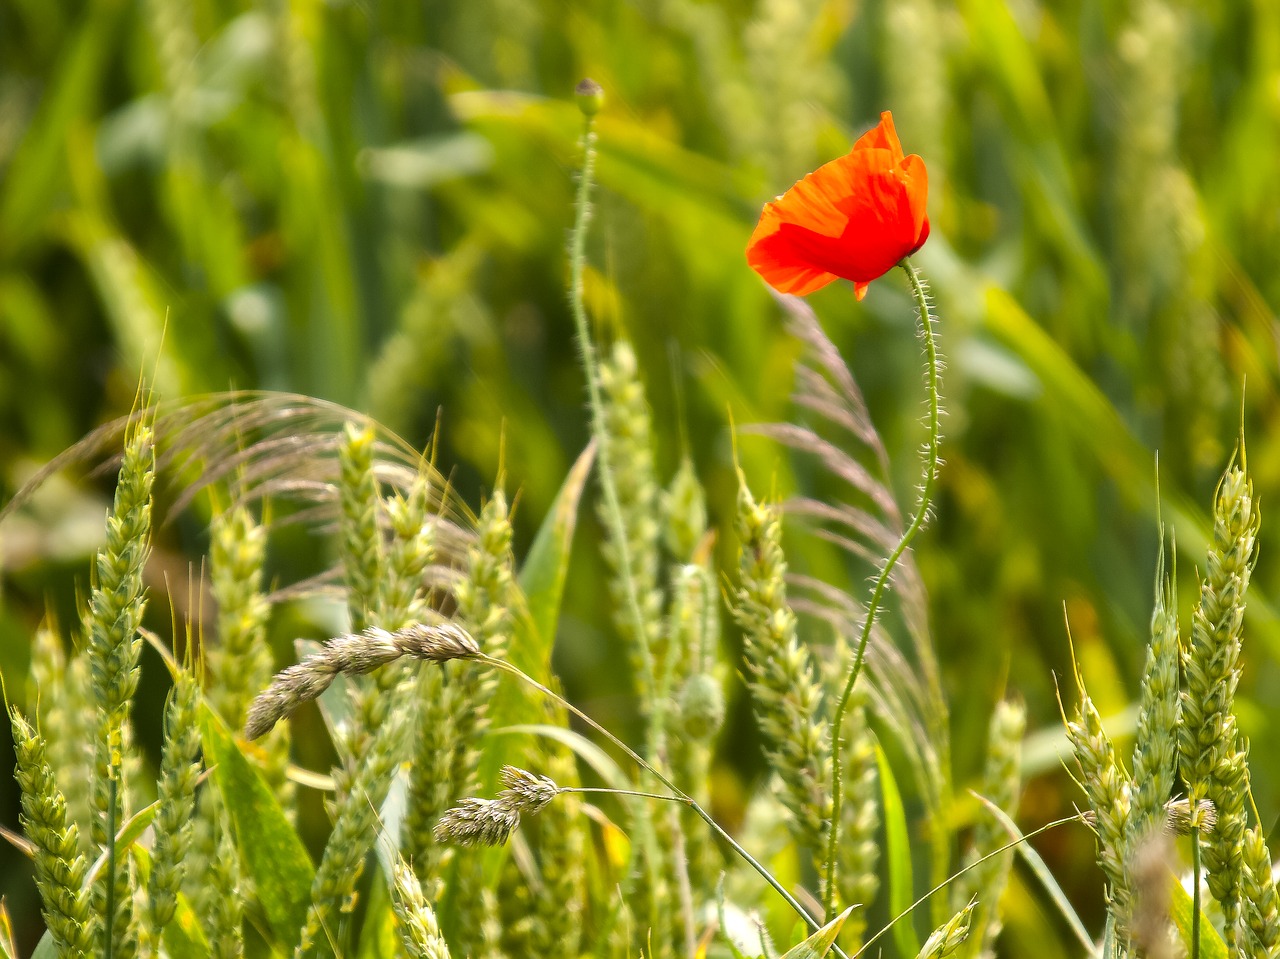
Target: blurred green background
<point x="368" y="202"/>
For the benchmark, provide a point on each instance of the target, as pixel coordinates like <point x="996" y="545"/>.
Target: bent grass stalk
<point x="678" y="795"/>
<point x="930" y="475"/>
<point x="977" y="863"/>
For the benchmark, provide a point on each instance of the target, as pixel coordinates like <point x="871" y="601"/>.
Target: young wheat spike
<point x="560" y="902"/>
<point x="948" y="937"/>
<point x="353" y="832"/>
<point x="116" y="606"/>
<point x="780" y="673"/>
<point x="1262" y="904"/>
<point x="1153" y="869"/>
<point x="224" y="917"/>
<point x="240" y="662"/>
<point x="693" y="630"/>
<point x="857" y="879"/>
<point x="684" y="508"/>
<point x="1211" y="749"/>
<point x="57" y="686"/>
<point x="430" y="789"/>
<point x="1110" y="793"/>
<point x="60" y="869"/>
<point x="627" y="455"/>
<point x="1155" y="752"/>
<point x="485" y="598"/>
<point x="1001" y="784"/>
<point x="178" y="773"/>
<point x="415" y="919"/>
<point x="361" y="536"/>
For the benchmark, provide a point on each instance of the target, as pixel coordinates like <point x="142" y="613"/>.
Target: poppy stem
<point x="933" y="369"/>
<point x="647" y="840"/>
<point x="599" y="427"/>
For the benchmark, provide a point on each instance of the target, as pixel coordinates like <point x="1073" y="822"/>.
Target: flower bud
<point x="590" y="96"/>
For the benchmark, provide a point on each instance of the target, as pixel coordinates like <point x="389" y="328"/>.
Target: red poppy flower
<point x="854" y="217"/>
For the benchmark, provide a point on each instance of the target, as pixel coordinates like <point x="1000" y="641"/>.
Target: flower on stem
<point x="855" y="217"/>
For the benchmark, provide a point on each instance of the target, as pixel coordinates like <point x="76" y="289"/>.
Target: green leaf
<point x="183" y="935"/>
<point x="134" y="827"/>
<point x="38" y="170"/>
<point x="543" y="575"/>
<point x="379" y="938"/>
<point x="1042" y="873"/>
<point x="587" y="751"/>
<point x="898" y="857"/>
<point x="270" y="850"/>
<point x="1211" y="944"/>
<point x="44" y="948"/>
<point x="819" y="944"/>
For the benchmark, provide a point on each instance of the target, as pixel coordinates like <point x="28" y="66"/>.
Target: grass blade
<point x="898" y="857"/>
<point x="271" y="851"/>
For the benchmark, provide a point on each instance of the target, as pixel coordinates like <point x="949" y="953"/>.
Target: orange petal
<point x="772" y="253"/>
<point x="916" y="179"/>
<point x="883" y="136"/>
<point x="860" y="290"/>
<point x="814" y="202"/>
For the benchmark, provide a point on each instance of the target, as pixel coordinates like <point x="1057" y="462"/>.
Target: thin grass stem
<point x="950" y="879"/>
<point x="929" y="477"/>
<point x="108" y="920"/>
<point x="678" y="795"/>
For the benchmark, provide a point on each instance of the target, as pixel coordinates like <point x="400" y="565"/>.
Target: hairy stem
<point x="929" y="477"/>
<point x="586" y="349"/>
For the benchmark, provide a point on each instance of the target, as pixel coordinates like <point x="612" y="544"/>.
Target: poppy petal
<point x="775" y="257"/>
<point x="883" y="136"/>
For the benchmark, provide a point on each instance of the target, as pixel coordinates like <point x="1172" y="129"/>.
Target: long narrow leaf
<point x="898" y="857"/>
<point x="1211" y="944"/>
<point x="819" y="944"/>
<point x="543" y="574"/>
<point x="272" y="854"/>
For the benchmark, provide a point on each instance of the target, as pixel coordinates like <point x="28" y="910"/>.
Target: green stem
<point x="1195" y="892"/>
<point x="678" y="795"/>
<point x="613" y="510"/>
<point x="617" y="526"/>
<point x="930" y="475"/>
<point x="109" y="919"/>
